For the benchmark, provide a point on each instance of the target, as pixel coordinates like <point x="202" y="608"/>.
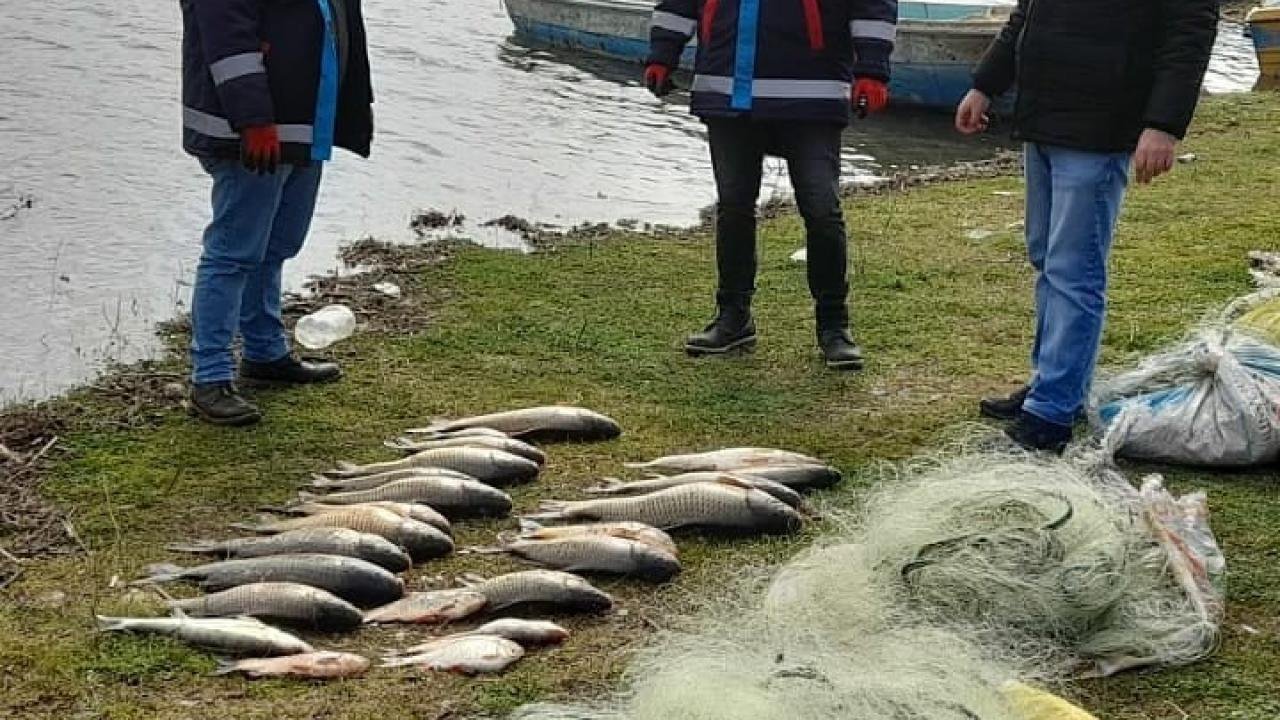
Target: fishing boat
<point x="939" y="41"/>
<point x="1264" y="28"/>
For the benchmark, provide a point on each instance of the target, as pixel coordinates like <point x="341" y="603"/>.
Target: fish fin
<point x="226" y="667"/>
<point x="200" y="547"/>
<point x="467" y="580"/>
<point x="733" y="481"/>
<point x="606" y="486"/>
<point x="475" y="550"/>
<point x="109" y="624"/>
<point x="248" y="528"/>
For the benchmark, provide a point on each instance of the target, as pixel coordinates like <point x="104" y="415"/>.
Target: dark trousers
<point x="812" y="152"/>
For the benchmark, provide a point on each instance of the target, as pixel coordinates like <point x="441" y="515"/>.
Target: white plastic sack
<point x="1214" y="401"/>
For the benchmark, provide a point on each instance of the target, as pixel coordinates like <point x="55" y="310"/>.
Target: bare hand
<point x="1154" y="156"/>
<point x="971" y="116"/>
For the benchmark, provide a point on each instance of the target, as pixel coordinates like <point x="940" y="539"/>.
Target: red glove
<point x="658" y="79"/>
<point x="869" y="96"/>
<point x="260" y="148"/>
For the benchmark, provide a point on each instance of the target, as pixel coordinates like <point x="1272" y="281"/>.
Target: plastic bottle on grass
<point x="325" y="327"/>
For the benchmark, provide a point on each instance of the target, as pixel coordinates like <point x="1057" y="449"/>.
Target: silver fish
<point x="318" y="540"/>
<point x="529" y="633"/>
<point x="466" y="655"/>
<point x="724" y="504"/>
<point x="727" y="459"/>
<point x="538" y="423"/>
<point x="355" y="581"/>
<point x="530" y="530"/>
<point x="543" y="587"/>
<point x="238" y="636"/>
<point x="290" y="603"/>
<point x="487" y="465"/>
<point x="595" y="554"/>
<point x="414" y="511"/>
<point x="799" y="477"/>
<point x="307" y="666"/>
<point x="420" y="540"/>
<point x="430" y="608"/>
<point x="500" y="442"/>
<point x="368" y="482"/>
<point x="613" y="486"/>
<point x="453" y="498"/>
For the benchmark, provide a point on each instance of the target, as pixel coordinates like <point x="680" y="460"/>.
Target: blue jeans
<point x="259" y="221"/>
<point x="1073" y="200"/>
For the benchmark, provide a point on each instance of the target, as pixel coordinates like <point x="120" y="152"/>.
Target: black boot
<point x="289" y="370"/>
<point x="839" y="350"/>
<point x="222" y="404"/>
<point x="1035" y="434"/>
<point x="733" y="329"/>
<point x="1004" y="408"/>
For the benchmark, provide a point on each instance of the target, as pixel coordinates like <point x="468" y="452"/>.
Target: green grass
<point x="943" y="319"/>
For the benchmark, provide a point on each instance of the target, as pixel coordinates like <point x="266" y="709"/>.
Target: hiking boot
<point x="731" y="330"/>
<point x="1004" y="408"/>
<point x="222" y="404"/>
<point x="1039" y="435"/>
<point x="289" y="370"/>
<point x="839" y="350"/>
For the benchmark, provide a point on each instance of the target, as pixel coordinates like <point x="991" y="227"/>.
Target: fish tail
<point x="277" y="509"/>
<point x="477" y="550"/>
<point x="304" y="496"/>
<point x="110" y="624"/>
<point x="470" y="579"/>
<point x="226" y="667"/>
<point x="320" y="481"/>
<point x="346" y="465"/>
<point x="401" y="443"/>
<point x="606" y="486"/>
<point x="529" y="528"/>
<point x="198" y="547"/>
<point x="160" y="573"/>
<point x="638" y="465"/>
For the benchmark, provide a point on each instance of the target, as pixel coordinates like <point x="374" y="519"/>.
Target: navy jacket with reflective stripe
<point x="256" y="62"/>
<point x="776" y="59"/>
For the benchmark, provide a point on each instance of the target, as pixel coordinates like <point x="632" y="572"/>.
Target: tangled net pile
<point x="958" y="577"/>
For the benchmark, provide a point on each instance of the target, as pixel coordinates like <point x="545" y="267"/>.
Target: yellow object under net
<point x="1031" y="703"/>
<point x="1264" y="320"/>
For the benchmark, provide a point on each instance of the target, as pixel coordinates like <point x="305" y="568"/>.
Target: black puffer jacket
<point x="1093" y="74"/>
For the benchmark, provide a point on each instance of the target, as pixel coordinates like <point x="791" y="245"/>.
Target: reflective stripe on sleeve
<point x="675" y="23"/>
<point x="216" y="127"/>
<point x="873" y="30"/>
<point x="237" y="66"/>
<point x="780" y="89"/>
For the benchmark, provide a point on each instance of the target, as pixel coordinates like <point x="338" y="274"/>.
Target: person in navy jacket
<point x="777" y="77"/>
<point x="269" y="89"/>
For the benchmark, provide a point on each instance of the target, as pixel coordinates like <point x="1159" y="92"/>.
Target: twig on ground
<point x="41" y="453"/>
<point x="9" y="454"/>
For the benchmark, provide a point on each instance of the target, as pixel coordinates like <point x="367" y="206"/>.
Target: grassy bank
<point x="943" y="317"/>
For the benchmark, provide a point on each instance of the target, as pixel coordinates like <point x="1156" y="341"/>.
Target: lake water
<point x="468" y="121"/>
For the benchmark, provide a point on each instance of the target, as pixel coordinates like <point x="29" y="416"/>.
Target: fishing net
<point x="956" y="577"/>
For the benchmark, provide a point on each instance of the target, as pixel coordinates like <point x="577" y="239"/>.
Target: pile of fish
<point x="332" y="561"/>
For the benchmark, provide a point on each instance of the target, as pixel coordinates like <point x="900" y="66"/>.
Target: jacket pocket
<point x="813" y="23"/>
<point x="707" y="24"/>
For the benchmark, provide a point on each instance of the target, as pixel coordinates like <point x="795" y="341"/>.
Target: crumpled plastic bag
<point x="1212" y="401"/>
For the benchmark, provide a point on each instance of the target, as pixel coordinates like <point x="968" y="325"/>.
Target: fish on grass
<point x="487" y="465"/>
<point x="550" y="588"/>
<point x="528" y="633"/>
<point x="593" y="553"/>
<point x="799" y="477"/>
<point x="501" y="442"/>
<point x="451" y="497"/>
<point x="356" y="581"/>
<point x="723" y="504"/>
<point x="727" y="459"/>
<point x="464" y="654"/>
<point x="288" y="603"/>
<point x="430" y="608"/>
<point x="234" y="636"/>
<point x="534" y="424"/>
<point x="420" y="540"/>
<point x="613" y="486"/>
<point x="414" y="511"/>
<point x="369" y="482"/>
<point x="315" y="540"/>
<point x="530" y="530"/>
<point x="305" y="666"/>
